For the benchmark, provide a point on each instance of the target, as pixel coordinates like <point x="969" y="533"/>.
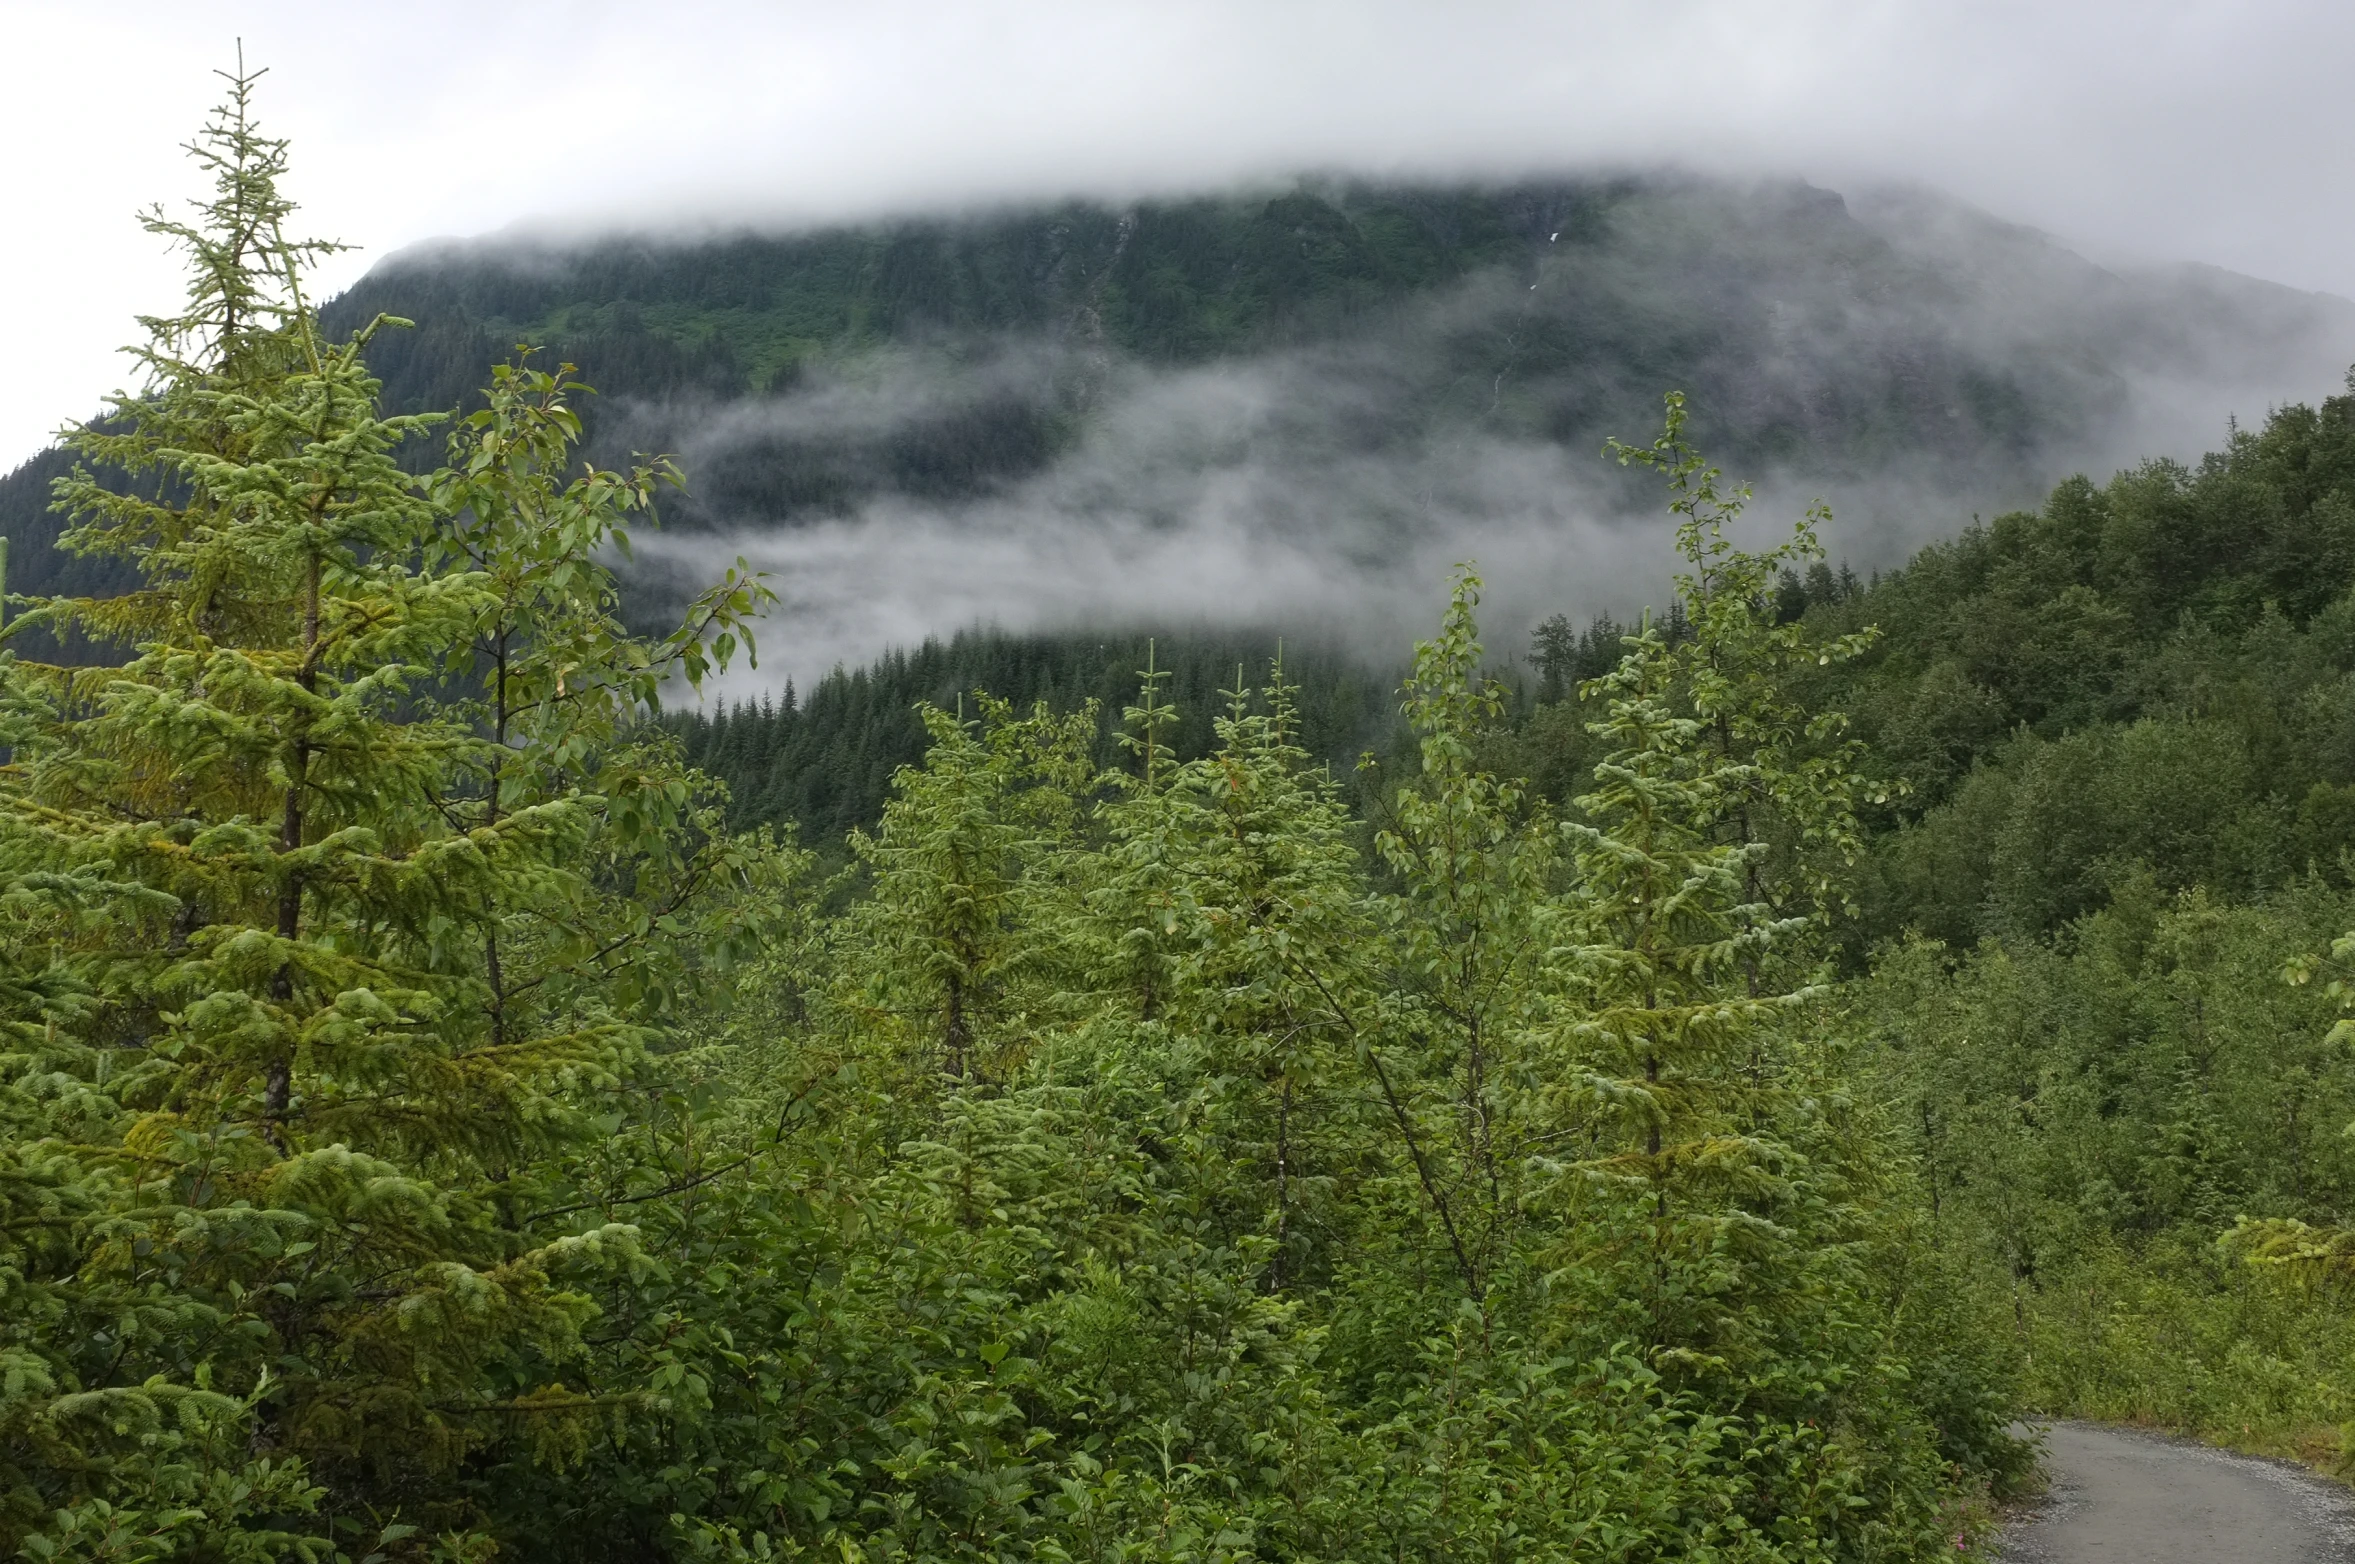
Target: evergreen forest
<point x="1679" y="1090"/>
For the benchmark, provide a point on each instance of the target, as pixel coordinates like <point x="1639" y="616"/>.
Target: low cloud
<point x="2161" y="129"/>
<point x="1920" y="365"/>
<point x="1349" y="549"/>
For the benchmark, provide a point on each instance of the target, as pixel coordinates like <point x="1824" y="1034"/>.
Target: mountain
<point x="1298" y="407"/>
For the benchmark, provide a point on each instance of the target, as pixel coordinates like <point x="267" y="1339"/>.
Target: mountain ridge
<point x="1303" y="405"/>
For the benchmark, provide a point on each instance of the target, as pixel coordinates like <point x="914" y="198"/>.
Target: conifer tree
<point x="269" y="868"/>
<point x="1790" y="780"/>
<point x="1703" y="863"/>
<point x="1473" y="862"/>
<point x="961" y="861"/>
<point x="1660" y="1016"/>
<point x="1231" y="895"/>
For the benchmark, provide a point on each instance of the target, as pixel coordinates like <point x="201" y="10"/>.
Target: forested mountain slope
<point x="1294" y="406"/>
<point x="2153" y="676"/>
<point x="1803" y="333"/>
<point x="2143" y="676"/>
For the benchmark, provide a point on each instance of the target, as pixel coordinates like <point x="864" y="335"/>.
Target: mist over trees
<point x="1682" y="1092"/>
<point x="1301" y="407"/>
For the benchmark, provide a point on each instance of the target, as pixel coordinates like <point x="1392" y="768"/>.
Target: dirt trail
<point x="2120" y="1497"/>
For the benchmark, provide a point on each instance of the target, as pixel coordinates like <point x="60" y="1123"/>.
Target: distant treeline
<point x="2148" y="678"/>
<point x="823" y="759"/>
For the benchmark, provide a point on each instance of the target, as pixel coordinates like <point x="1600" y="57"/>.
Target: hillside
<point x="1689" y="1097"/>
<point x="1811" y="331"/>
<point x="2142" y="677"/>
<point x="1300" y="408"/>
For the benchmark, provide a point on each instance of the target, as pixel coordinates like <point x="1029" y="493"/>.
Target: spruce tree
<point x="1691" y="973"/>
<point x="1789" y="780"/>
<point x="946" y="961"/>
<point x="1472" y="860"/>
<point x="272" y="872"/>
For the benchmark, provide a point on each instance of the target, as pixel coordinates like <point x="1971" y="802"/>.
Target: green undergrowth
<point x="2184" y="1340"/>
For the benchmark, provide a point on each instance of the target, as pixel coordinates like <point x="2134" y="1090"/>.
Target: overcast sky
<point x="2212" y="130"/>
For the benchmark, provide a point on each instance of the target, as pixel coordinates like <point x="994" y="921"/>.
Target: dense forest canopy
<point x="822" y="762"/>
<point x="1681" y="1094"/>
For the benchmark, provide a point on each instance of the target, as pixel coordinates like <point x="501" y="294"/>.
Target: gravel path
<point x="2120" y="1497"/>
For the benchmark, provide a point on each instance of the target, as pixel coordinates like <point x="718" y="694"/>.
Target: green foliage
<point x="2085" y="851"/>
<point x="2196" y="1340"/>
<point x="2056" y="704"/>
<point x="428" y="1132"/>
<point x="2148" y="673"/>
<point x="2093" y="1116"/>
<point x="313" y="978"/>
<point x="1136" y="1169"/>
<point x="823" y="758"/>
